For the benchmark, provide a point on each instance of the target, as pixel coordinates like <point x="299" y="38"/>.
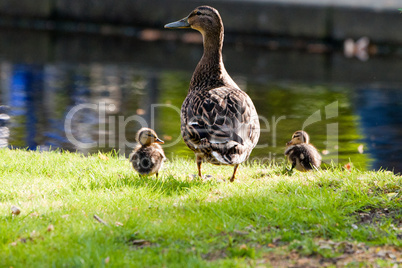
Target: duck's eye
<point x="198" y="13"/>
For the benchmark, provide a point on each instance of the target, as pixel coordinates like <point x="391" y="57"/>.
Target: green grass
<point x="264" y="217"/>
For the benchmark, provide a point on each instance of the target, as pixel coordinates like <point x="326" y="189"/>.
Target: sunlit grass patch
<point x="185" y="221"/>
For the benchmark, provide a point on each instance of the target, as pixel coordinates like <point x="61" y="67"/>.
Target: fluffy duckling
<point x="218" y="120"/>
<point x="303" y="155"/>
<point x="148" y="156"/>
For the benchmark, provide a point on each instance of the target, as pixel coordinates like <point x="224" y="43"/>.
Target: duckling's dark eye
<point x="198" y="13"/>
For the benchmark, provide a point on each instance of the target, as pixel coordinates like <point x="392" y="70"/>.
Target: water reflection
<point x="379" y="110"/>
<point x="4" y="131"/>
<point x="87" y="105"/>
<point x="93" y="107"/>
<point x="40" y="98"/>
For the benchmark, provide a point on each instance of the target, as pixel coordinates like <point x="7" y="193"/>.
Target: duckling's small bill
<point x="159" y="141"/>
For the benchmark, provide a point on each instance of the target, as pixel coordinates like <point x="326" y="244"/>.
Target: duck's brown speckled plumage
<point x="147" y="157"/>
<point x="218" y="120"/>
<point x="303" y="155"/>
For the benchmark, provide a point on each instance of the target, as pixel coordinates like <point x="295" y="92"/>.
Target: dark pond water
<point x="90" y="93"/>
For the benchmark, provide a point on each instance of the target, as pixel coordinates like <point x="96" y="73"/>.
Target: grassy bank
<point x="264" y="218"/>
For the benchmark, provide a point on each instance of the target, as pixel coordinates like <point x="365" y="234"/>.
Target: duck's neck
<point x="210" y="71"/>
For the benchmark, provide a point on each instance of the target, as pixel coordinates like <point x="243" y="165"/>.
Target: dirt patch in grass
<point x="375" y="215"/>
<point x="327" y="254"/>
<point x="350" y="255"/>
<point x="214" y="255"/>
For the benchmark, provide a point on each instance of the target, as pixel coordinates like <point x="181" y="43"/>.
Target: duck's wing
<point x="315" y="156"/>
<point x="158" y="152"/>
<point x="219" y="120"/>
<point x="136" y="148"/>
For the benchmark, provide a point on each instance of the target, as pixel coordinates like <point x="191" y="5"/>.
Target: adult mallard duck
<point x="148" y="156"/>
<point x="218" y="120"/>
<point x="303" y="155"/>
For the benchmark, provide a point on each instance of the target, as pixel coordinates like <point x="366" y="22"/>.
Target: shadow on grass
<point x="167" y="185"/>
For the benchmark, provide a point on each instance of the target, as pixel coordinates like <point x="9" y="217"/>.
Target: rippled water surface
<point x="86" y="94"/>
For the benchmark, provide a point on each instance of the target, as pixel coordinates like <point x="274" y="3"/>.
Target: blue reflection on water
<point x="380" y="110"/>
<point x="25" y="85"/>
<point x="40" y="97"/>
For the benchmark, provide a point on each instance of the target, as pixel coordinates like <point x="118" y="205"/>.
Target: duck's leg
<point x="293" y="166"/>
<point x="234" y="173"/>
<point x="156" y="174"/>
<point x="199" y="162"/>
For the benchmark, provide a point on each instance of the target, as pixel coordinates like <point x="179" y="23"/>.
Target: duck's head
<point x="299" y="137"/>
<point x="204" y="19"/>
<point x="147" y="136"/>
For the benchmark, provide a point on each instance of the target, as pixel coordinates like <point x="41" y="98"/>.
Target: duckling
<point x="303" y="155"/>
<point x="218" y="120"/>
<point x="148" y="156"/>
